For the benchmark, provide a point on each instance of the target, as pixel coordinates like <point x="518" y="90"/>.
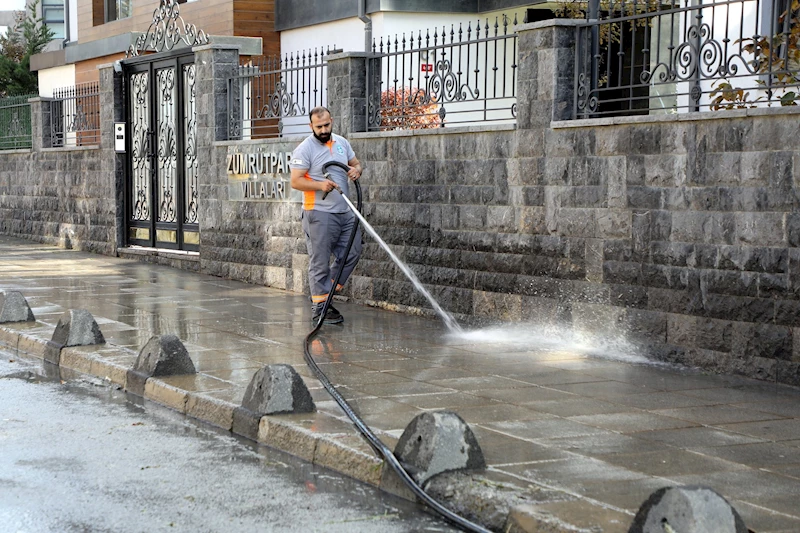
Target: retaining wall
<point x="60" y="197"/>
<point x="70" y="197"/>
<point x="258" y="242"/>
<point x="681" y="235"/>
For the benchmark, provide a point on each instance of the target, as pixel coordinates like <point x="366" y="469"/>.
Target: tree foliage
<point x="27" y="37"/>
<point x="611" y="32"/>
<point x="777" y="56"/>
<point x="407" y="108"/>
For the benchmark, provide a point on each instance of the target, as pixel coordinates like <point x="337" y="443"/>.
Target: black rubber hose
<point x="380" y="448"/>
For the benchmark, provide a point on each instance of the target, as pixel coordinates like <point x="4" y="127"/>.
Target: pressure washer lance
<point x="380" y="448"/>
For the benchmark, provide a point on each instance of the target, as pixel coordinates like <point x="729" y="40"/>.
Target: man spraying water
<point x="327" y="219"/>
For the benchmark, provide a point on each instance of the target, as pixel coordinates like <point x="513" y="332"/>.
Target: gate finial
<point x="167" y="29"/>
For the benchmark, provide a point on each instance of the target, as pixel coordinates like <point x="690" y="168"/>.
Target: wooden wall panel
<point x="246" y="18"/>
<point x="86" y="71"/>
<point x="253" y="18"/>
<point x="96" y="12"/>
<point x="215" y="17"/>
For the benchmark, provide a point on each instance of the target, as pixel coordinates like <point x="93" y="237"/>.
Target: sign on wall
<point x="260" y="177"/>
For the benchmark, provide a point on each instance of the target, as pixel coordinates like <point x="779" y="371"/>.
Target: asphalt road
<point x="80" y="456"/>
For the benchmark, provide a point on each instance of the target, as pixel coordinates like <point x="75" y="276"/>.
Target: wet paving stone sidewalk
<point x="583" y="437"/>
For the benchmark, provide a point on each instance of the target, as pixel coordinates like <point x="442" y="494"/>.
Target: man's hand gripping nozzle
<point x="335" y="186"/>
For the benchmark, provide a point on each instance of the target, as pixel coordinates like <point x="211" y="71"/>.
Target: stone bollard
<point x="163" y="355"/>
<point x="690" y="509"/>
<point x="76" y="327"/>
<point x="14" y="307"/>
<point x="437" y="442"/>
<point x="274" y="389"/>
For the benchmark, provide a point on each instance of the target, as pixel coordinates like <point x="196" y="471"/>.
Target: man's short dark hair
<point x="318" y="111"/>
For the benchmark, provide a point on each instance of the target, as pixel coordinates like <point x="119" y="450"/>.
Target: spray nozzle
<point x="327" y="174"/>
<point x="335" y="186"/>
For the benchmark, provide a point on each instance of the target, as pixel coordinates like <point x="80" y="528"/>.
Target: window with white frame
<point x="118" y="9"/>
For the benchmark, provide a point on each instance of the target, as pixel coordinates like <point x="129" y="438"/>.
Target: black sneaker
<point x="331" y="317"/>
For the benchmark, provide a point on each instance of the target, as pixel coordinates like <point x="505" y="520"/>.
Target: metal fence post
<point x="594" y="16"/>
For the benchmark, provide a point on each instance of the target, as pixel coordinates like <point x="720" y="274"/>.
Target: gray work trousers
<point x="326" y="234"/>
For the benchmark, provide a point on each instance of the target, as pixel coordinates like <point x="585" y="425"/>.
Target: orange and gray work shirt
<point x="310" y="155"/>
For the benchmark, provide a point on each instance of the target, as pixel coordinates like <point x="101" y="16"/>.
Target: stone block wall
<point x="59" y="196"/>
<point x="69" y="197"/>
<point x="257" y="242"/>
<point x="679" y="235"/>
<point x="708" y="274"/>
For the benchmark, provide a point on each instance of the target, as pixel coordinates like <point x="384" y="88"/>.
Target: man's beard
<point x="323" y="137"/>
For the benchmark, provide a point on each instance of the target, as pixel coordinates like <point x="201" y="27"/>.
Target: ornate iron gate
<point x="162" y="175"/>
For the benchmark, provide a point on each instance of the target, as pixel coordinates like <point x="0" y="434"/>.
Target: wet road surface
<point x="81" y="456"/>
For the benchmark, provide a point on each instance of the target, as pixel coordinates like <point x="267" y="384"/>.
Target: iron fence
<point x="272" y="96"/>
<point x="75" y="115"/>
<point x="650" y="56"/>
<point x="15" y="122"/>
<point x="461" y="76"/>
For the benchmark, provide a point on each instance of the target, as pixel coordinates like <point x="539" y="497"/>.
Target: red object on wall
<point x="427" y="67"/>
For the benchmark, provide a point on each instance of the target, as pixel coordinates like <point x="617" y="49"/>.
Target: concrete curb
<point x="506" y="508"/>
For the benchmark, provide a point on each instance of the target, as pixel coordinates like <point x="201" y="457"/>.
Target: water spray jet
<point x="446" y="317"/>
